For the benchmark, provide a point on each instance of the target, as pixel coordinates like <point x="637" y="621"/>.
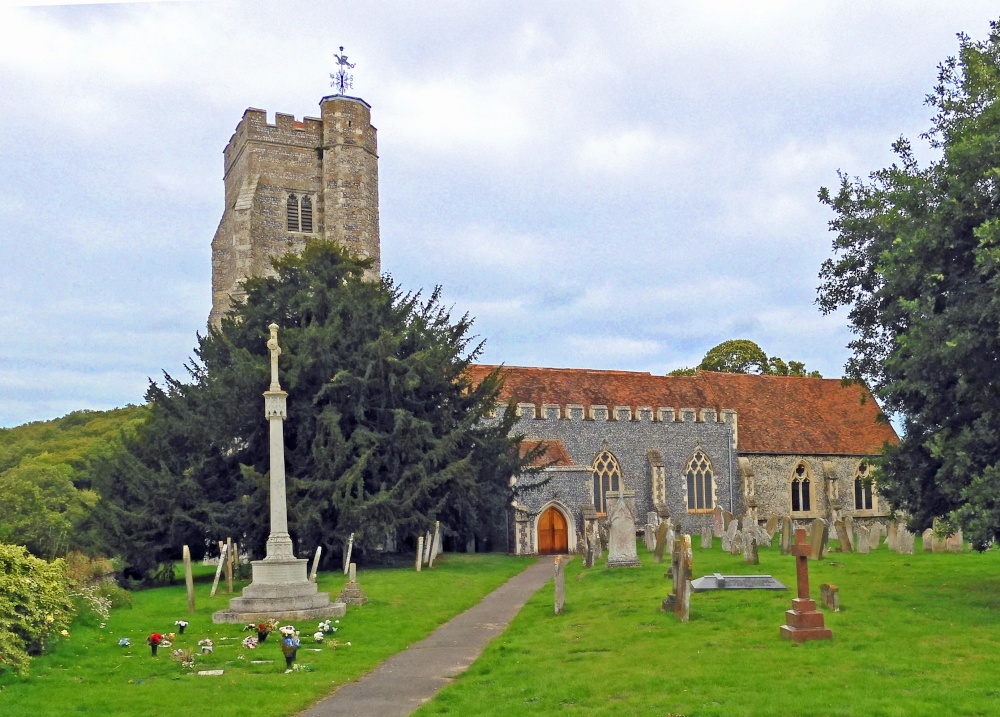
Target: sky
<point x="601" y="185"/>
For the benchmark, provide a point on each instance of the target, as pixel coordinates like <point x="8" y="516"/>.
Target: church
<point x="678" y="446"/>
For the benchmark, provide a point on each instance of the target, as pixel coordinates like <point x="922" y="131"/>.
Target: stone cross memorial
<point x="803" y="622"/>
<point x="280" y="588"/>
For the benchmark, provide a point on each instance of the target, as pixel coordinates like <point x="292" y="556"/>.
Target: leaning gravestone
<point x="772" y="524"/>
<point x="661" y="540"/>
<point x="727" y="519"/>
<point x="706" y="536"/>
<point x="844" y="537"/>
<point x="621" y="532"/>
<point x="560" y="583"/>
<point x="817" y="539"/>
<point x="786" y="535"/>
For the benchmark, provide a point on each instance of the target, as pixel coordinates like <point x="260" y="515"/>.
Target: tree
<point x="744" y="356"/>
<point x="384" y="435"/>
<point x="917" y="261"/>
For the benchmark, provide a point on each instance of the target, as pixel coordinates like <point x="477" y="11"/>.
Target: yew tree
<point x="385" y="434"/>
<point x="917" y="263"/>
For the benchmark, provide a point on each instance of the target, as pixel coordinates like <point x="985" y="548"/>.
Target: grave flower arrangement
<point x="185" y="657"/>
<point x="250" y="642"/>
<point x="125" y="642"/>
<point x="206" y="645"/>
<point x="327" y="627"/>
<point x="318" y="636"/>
<point x="154" y="641"/>
<point x="289" y="644"/>
<point x="181" y="624"/>
<point x="263" y="629"/>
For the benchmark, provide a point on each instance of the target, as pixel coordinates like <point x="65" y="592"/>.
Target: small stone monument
<point x="829" y="596"/>
<point x="786" y="535"/>
<point x="348" y="549"/>
<point x="803" y="622"/>
<point x="560" y="584"/>
<point x="621" y="533"/>
<point x="352" y="594"/>
<point x="280" y="588"/>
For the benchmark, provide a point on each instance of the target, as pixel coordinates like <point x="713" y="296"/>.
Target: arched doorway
<point x="553" y="536"/>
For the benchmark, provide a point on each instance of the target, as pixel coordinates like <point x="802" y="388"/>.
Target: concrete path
<point x="408" y="679"/>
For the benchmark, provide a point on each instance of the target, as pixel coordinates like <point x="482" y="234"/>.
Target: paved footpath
<point x="406" y="680"/>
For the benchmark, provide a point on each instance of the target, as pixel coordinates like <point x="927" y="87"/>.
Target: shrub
<point x="35" y="605"/>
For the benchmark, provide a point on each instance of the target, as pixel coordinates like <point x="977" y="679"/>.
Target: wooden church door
<point x="553" y="537"/>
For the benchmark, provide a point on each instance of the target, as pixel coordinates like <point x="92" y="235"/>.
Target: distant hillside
<point x="42" y="492"/>
<point x="69" y="440"/>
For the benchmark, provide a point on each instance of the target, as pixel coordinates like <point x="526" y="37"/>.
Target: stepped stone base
<point x="280" y="590"/>
<point x="352" y="594"/>
<point x="803" y="622"/>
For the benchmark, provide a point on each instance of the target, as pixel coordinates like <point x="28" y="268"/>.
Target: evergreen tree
<point x="384" y="435"/>
<point x="917" y="261"/>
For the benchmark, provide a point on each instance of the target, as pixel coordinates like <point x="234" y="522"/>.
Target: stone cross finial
<point x="272" y="346"/>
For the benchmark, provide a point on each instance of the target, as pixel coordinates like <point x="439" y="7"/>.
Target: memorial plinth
<point x="280" y="588"/>
<point x="803" y="622"/>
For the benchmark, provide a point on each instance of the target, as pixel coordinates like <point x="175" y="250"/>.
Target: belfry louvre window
<point x="863" y="499"/>
<point x="607" y="476"/>
<point x="699" y="483"/>
<point x="801" y="500"/>
<point x="299" y="213"/>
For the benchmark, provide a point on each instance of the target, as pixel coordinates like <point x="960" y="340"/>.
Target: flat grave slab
<point x="718" y="581"/>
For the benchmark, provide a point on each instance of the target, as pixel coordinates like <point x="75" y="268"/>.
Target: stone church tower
<point x="292" y="182"/>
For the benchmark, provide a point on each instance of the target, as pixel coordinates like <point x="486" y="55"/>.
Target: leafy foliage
<point x="745" y="356"/>
<point x="384" y="435"/>
<point x="917" y="261"/>
<point x="34" y="605"/>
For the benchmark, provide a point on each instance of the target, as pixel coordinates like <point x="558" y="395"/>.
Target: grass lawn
<point x="90" y="674"/>
<point x="916" y="635"/>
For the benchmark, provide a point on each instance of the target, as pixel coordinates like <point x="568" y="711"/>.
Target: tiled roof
<point x="555" y="452"/>
<point x="775" y="414"/>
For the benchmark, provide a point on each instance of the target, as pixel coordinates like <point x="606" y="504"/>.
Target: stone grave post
<point x="420" y="552"/>
<point x="434" y="543"/>
<point x="188" y="577"/>
<point x="427" y="548"/>
<point x="686" y="570"/>
<point x="786" y="535"/>
<point x="229" y="565"/>
<point x="817" y="539"/>
<point x="560" y="584"/>
<point x="348" y="549"/>
<point x="218" y="570"/>
<point x="352" y="594"/>
<point x="315" y="565"/>
<point x="803" y="622"/>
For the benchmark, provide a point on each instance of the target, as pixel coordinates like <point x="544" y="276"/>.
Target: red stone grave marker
<point x="803" y="622"/>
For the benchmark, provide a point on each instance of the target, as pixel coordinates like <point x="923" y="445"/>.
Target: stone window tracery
<point x="607" y="476"/>
<point x="699" y="483"/>
<point x="801" y="498"/>
<point x="863" y="497"/>
<point x="299" y="213"/>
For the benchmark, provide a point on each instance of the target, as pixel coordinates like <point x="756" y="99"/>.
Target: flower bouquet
<point x="181" y="624"/>
<point x="206" y="645"/>
<point x="289" y="644"/>
<point x="327" y="627"/>
<point x="154" y="641"/>
<point x="263" y="629"/>
<point x="185" y="657"/>
<point x="250" y="642"/>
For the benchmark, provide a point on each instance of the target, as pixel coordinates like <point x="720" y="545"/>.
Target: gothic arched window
<point x="292" y="213"/>
<point x="306" y="213"/>
<point x="699" y="483"/>
<point x="863" y="499"/>
<point x="801" y="500"/>
<point x="607" y="476"/>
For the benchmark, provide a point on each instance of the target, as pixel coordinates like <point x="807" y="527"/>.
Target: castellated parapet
<point x="292" y="182"/>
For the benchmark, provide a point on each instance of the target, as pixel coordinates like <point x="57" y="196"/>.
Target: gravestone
<point x="750" y="556"/>
<point x="706" y="536"/>
<point x="727" y="519"/>
<point x="875" y="536"/>
<point x="621" y="532"/>
<point x="188" y="577"/>
<point x="682" y="567"/>
<point x="849" y="524"/>
<point x="352" y="594"/>
<point x="786" y="535"/>
<point x="435" y="543"/>
<point x="315" y="565"/>
<point x="954" y="542"/>
<point x="940" y="544"/>
<point x="763" y="537"/>
<point x="732" y="529"/>
<point x="727" y="543"/>
<point x="717" y="522"/>
<point x="736" y="546"/>
<point x="427" y="548"/>
<point x="905" y="541"/>
<point x="928" y="540"/>
<point x="844" y="537"/>
<point x="892" y="535"/>
<point x="649" y="537"/>
<point x="830" y="596"/>
<point x="661" y="540"/>
<point x="560" y="583"/>
<point x="817" y="539"/>
<point x="772" y="524"/>
<point x="863" y="540"/>
<point x="420" y="552"/>
<point x="670" y="535"/>
<point x="803" y="622"/>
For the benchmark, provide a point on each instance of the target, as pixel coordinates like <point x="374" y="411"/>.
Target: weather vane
<point x="341" y="80"/>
